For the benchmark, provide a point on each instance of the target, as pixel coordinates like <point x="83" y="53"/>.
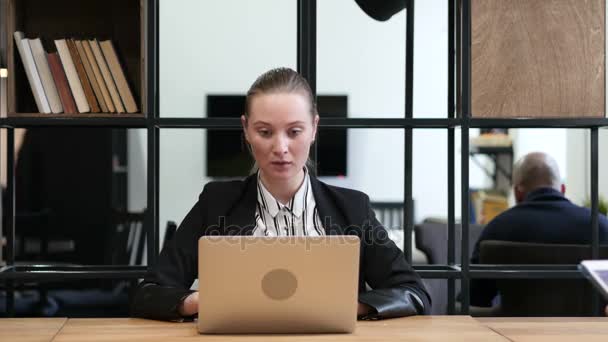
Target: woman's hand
<point x="189" y="306"/>
<point x="363" y="309"/>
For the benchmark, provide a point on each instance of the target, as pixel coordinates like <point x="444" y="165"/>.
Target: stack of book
<point x="485" y="205"/>
<point x="83" y="76"/>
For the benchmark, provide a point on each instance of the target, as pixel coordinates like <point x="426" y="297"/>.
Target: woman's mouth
<point x="281" y="163"/>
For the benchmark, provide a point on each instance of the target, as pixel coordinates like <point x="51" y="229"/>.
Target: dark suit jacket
<point x="343" y="211"/>
<point x="545" y="216"/>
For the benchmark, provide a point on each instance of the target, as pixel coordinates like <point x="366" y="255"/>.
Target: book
<point x="61" y="83"/>
<point x="119" y="76"/>
<point x="72" y="76"/>
<point x="82" y="75"/>
<point x="42" y="65"/>
<point x="107" y="76"/>
<point x="91" y="76"/>
<point x="107" y="99"/>
<point x="487" y="205"/>
<point x="3" y="98"/>
<point x="25" y="52"/>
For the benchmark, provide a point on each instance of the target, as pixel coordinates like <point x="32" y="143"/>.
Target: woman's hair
<point x="280" y="80"/>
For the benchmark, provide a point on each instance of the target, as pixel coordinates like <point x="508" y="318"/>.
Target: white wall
<point x="578" y="162"/>
<point x="222" y="46"/>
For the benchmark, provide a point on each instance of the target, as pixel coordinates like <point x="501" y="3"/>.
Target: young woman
<point x="281" y="198"/>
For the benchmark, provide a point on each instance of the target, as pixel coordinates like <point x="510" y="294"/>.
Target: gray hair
<point x="536" y="170"/>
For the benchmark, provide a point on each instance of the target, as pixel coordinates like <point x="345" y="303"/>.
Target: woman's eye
<point x="264" y="132"/>
<point x="295" y="132"/>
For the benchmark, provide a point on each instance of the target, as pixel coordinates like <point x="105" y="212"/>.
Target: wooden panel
<point x="419" y="328"/>
<point x="587" y="329"/>
<point x="30" y="329"/>
<point x="538" y="58"/>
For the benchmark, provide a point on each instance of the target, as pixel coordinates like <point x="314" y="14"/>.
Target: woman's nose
<point x="280" y="145"/>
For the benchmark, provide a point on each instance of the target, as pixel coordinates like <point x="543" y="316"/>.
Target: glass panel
<point x="73" y="191"/>
<point x="180" y="184"/>
<point x="373" y="169"/>
<point x="569" y="149"/>
<point x="220" y="47"/>
<point x="365" y="59"/>
<point x="431" y="59"/>
<point x="361" y="58"/>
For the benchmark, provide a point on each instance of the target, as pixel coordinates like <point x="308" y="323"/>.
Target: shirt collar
<point x="544" y="194"/>
<point x="295" y="205"/>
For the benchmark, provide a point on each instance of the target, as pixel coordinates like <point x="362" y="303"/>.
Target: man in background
<point x="542" y="215"/>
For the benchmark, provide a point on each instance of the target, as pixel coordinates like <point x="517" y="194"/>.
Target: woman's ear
<point x="244" y="124"/>
<point x="315" y="124"/>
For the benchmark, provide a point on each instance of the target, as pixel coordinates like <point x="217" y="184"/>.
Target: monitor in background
<point x="227" y="155"/>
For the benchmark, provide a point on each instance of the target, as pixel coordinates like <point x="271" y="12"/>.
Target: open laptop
<point x="597" y="272"/>
<point x="278" y="284"/>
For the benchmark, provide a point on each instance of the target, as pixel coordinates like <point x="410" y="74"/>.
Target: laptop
<point x="597" y="272"/>
<point x="278" y="284"/>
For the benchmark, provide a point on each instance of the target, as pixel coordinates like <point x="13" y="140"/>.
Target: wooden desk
<point x="422" y="328"/>
<point x="581" y="329"/>
<point x="30" y="329"/>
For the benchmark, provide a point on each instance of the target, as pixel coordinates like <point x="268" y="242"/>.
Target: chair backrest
<point x="432" y="239"/>
<point x="390" y="214"/>
<point x="32" y="226"/>
<point x="128" y="238"/>
<point x="541" y="297"/>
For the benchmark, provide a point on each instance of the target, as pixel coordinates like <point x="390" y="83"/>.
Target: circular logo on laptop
<point x="279" y="284"/>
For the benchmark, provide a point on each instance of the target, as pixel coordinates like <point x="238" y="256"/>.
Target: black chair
<point x="35" y="242"/>
<point x="541" y="297"/>
<point x="127" y="238"/>
<point x="126" y="246"/>
<point x="432" y="239"/>
<point x="390" y="214"/>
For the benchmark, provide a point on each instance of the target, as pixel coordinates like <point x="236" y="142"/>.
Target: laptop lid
<point x="597" y="272"/>
<point x="278" y="284"/>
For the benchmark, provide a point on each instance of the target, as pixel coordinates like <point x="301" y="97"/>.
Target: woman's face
<point x="280" y="130"/>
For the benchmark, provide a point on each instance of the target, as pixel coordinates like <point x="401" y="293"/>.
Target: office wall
<point x="221" y="46"/>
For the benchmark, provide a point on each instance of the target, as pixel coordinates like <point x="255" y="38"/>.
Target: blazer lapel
<point x="240" y="219"/>
<point x="331" y="216"/>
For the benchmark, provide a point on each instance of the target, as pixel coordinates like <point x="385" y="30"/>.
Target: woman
<point x="282" y="198"/>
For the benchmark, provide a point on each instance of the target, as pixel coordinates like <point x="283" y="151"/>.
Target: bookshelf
<point x="122" y="21"/>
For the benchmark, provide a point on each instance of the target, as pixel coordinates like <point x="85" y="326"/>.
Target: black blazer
<point x="228" y="208"/>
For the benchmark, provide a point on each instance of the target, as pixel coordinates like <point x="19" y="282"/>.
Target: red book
<point x="61" y="82"/>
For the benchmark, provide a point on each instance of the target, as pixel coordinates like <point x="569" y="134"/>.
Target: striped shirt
<point x="299" y="217"/>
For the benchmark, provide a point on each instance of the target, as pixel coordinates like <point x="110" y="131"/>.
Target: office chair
<point x="541" y="297"/>
<point x="126" y="246"/>
<point x="127" y="238"/>
<point x="432" y="239"/>
<point x="390" y="214"/>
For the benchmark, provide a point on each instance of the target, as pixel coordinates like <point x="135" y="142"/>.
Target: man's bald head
<point x="536" y="170"/>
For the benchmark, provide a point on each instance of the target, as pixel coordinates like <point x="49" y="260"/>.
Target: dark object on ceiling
<point x="381" y="10"/>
